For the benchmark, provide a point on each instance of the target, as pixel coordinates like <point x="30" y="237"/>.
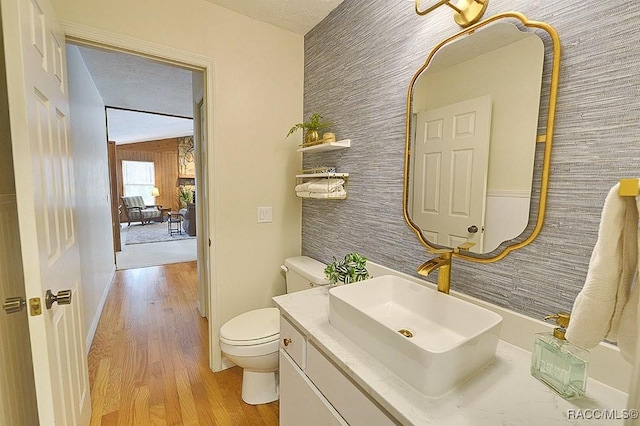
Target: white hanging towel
<point x="634" y="392"/>
<point x="607" y="305"/>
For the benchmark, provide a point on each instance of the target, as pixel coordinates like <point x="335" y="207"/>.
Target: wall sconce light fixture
<point x="466" y="12"/>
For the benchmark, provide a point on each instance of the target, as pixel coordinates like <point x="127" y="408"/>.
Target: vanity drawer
<point x="293" y="342"/>
<point x="301" y="403"/>
<point x="350" y="401"/>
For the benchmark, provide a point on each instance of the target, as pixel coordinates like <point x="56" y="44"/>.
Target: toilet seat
<point x="252" y="328"/>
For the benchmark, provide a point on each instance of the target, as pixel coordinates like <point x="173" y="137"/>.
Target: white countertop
<point x="502" y="393"/>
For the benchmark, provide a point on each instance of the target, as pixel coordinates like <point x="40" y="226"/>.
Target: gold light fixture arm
<point x="467" y="12"/>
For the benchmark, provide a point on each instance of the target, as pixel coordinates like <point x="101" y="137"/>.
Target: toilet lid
<point x="253" y="327"/>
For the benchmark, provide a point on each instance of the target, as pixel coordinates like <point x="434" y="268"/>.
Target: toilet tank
<point x="303" y="273"/>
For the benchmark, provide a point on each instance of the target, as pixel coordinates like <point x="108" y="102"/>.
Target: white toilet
<point x="251" y="340"/>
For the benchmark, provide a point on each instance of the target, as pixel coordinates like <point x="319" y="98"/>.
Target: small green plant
<point x="314" y="123"/>
<point x="185" y="195"/>
<point x="352" y="268"/>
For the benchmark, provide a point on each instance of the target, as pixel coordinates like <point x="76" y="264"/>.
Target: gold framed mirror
<point x="472" y="133"/>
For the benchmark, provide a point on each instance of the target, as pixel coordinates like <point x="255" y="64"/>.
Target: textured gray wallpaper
<point x="358" y="65"/>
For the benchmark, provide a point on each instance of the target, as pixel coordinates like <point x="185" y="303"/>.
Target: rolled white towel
<point x="325" y="185"/>
<point x="303" y="187"/>
<point x="341" y="193"/>
<point x="303" y="194"/>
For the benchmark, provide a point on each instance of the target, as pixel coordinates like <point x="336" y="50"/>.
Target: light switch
<point x="265" y="214"/>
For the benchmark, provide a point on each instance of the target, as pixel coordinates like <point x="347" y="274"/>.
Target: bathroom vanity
<point x="326" y="379"/>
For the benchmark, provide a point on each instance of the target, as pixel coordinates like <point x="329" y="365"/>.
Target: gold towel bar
<point x="629" y="187"/>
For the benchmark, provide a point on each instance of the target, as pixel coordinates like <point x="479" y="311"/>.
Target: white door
<point x="39" y="121"/>
<point x="451" y="158"/>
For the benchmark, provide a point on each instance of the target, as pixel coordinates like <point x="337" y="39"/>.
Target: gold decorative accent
<point x="562" y="319"/>
<point x="548" y="136"/>
<point x="35" y="307"/>
<point x="629" y="187"/>
<point x="464" y="246"/>
<point x="406" y="333"/>
<point x="466" y="12"/>
<point x="443" y="264"/>
<point x="311" y="143"/>
<point x="328" y="137"/>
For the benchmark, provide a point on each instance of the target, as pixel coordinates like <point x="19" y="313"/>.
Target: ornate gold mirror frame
<point x="546" y="138"/>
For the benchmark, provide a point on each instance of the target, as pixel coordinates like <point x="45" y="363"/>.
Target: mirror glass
<point x="472" y="125"/>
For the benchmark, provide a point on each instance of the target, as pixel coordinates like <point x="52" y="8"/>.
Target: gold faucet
<point x="443" y="264"/>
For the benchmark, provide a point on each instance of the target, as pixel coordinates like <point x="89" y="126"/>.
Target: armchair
<point x="136" y="211"/>
<point x="189" y="219"/>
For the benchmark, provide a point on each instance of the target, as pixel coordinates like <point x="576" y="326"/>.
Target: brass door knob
<point x="62" y="298"/>
<point x="286" y="341"/>
<point x="13" y="304"/>
<point x="472" y="229"/>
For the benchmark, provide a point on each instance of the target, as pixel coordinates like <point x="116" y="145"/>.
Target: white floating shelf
<point x="323" y="175"/>
<point x="327" y="146"/>
<point x="343" y="197"/>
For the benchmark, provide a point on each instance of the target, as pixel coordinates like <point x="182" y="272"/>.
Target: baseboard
<point x="226" y="363"/>
<point x="96" y="319"/>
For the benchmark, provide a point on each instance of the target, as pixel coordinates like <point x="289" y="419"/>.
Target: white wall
<point x="258" y="96"/>
<point x="93" y="208"/>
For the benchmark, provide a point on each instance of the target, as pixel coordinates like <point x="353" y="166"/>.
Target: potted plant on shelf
<point x="352" y="268"/>
<point x="311" y="128"/>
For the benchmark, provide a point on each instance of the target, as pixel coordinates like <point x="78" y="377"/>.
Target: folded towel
<point x="598" y="310"/>
<point x="303" y="194"/>
<point x="325" y="185"/>
<point x="336" y="194"/>
<point x="302" y="187"/>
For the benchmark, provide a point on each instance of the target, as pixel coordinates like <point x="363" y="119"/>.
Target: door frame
<point x="113" y="188"/>
<point x="202" y="213"/>
<point x="80" y="34"/>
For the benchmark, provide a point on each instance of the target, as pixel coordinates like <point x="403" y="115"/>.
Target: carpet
<point x="150" y="233"/>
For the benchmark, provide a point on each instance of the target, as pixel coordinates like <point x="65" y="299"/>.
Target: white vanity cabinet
<point x="313" y="391"/>
<point x="301" y="403"/>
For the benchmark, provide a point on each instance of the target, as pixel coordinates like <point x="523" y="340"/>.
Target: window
<point x="138" y="178"/>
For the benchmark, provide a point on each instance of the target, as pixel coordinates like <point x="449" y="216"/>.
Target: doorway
<point x="206" y="209"/>
<point x="149" y="110"/>
<point x="194" y="93"/>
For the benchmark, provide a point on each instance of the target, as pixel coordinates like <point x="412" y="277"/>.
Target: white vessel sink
<point x="430" y="340"/>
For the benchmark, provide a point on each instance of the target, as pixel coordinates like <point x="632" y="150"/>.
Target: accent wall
<point x="359" y="62"/>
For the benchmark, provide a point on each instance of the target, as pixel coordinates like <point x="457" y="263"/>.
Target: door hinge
<point x="35" y="306"/>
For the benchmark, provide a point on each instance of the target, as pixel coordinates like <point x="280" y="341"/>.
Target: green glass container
<point x="558" y="363"/>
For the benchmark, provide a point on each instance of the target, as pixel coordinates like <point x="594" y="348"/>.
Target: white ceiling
<point x="298" y="16"/>
<point x="133" y="126"/>
<point x="140" y="86"/>
<point x="137" y="85"/>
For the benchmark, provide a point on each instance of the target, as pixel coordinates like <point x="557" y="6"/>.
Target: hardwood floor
<point x="149" y="362"/>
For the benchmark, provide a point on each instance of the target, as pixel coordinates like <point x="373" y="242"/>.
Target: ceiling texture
<point x="151" y="100"/>
<point x="298" y="16"/>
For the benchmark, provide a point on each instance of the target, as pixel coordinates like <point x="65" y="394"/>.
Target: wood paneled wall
<point x="164" y="155"/>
